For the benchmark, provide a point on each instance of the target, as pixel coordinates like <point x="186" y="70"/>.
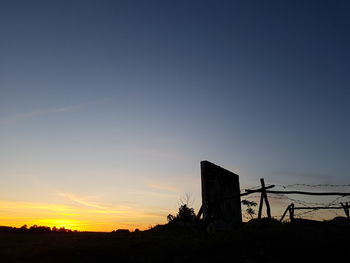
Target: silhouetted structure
<point x="220" y="194"/>
<point x="291" y="208"/>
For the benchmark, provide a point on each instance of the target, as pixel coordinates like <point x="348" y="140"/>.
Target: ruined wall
<point x="220" y="194"/>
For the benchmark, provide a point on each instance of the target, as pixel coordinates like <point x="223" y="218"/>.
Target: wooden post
<point x="268" y="209"/>
<point x="346" y="208"/>
<point x="263" y="198"/>
<point x="284" y="214"/>
<point x="288" y="209"/>
<point x="261" y="204"/>
<point x="291" y="212"/>
<point x="200" y="212"/>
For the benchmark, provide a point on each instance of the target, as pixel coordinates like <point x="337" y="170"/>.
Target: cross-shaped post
<point x="263" y="198"/>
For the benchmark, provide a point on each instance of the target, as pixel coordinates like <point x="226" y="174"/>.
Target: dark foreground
<point x="251" y="243"/>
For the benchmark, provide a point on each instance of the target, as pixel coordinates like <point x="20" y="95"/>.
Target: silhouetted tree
<point x="170" y="218"/>
<point x="39" y="229"/>
<point x="62" y="230"/>
<point x="186" y="199"/>
<point x="184" y="215"/>
<point x="249" y="207"/>
<point x="36" y="229"/>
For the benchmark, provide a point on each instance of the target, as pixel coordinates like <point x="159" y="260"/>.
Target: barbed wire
<point x="313" y="213"/>
<point x="252" y="188"/>
<point x="252" y="196"/>
<point x="305" y="212"/>
<point x="312" y="185"/>
<point x="285" y="197"/>
<point x="335" y="212"/>
<point x="335" y="200"/>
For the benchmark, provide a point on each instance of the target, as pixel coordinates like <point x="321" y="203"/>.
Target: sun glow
<point x="61" y="222"/>
<point x="78" y="216"/>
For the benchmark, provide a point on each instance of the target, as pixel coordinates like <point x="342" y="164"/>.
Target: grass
<point x="250" y="243"/>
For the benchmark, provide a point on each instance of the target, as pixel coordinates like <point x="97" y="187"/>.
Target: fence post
<point x="200" y="212"/>
<point x="346" y="208"/>
<point x="263" y="198"/>
<point x="268" y="209"/>
<point x="284" y="214"/>
<point x="291" y="212"/>
<point x="261" y="203"/>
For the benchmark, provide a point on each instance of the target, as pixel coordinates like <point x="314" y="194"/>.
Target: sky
<point x="108" y="107"/>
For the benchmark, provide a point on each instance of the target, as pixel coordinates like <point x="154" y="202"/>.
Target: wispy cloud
<point x="169" y="153"/>
<point x="121" y="210"/>
<point x="35" y="113"/>
<point x="79" y="200"/>
<point x="153" y="194"/>
<point x="40" y="112"/>
<point x="86" y="216"/>
<point x="163" y="187"/>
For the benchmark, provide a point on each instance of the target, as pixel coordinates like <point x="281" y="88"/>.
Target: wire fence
<point x="315" y="212"/>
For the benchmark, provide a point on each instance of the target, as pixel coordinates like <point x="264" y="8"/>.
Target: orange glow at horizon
<point x="75" y="217"/>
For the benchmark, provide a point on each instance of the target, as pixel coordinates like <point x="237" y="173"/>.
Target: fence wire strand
<point x="313" y="211"/>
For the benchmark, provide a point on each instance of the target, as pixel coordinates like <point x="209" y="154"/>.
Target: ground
<point x="307" y="241"/>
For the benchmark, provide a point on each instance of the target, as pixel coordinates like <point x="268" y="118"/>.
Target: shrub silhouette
<point x="249" y="207"/>
<point x="184" y="215"/>
<point x="39" y="229"/>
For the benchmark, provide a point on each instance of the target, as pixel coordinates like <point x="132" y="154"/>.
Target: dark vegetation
<point x="249" y="210"/>
<point x="257" y="241"/>
<point x="35" y="229"/>
<point x="184" y="215"/>
<point x="183" y="239"/>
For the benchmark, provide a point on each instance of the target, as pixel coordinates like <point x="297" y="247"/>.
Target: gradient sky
<point x="107" y="107"/>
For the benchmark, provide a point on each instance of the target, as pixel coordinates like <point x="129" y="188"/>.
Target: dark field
<point x="251" y="243"/>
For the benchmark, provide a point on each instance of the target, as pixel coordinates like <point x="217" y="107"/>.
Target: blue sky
<point x="123" y="99"/>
